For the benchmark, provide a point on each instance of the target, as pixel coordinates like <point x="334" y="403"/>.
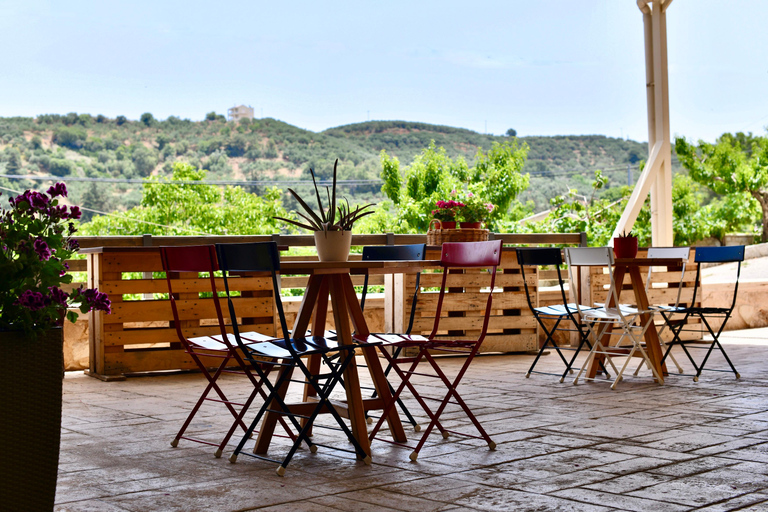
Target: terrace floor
<point x="682" y="446"/>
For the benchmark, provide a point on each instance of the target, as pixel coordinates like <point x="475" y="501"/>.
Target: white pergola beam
<point x="656" y="177"/>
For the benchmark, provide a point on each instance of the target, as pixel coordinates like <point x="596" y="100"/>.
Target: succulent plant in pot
<point x="331" y="223"/>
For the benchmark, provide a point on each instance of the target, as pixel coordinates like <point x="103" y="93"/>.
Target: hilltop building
<point x="239" y="112"/>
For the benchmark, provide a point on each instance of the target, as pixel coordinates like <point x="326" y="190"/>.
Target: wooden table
<point x="621" y="267"/>
<point x="333" y="278"/>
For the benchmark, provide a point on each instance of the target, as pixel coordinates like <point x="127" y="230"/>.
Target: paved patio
<point x="681" y="446"/>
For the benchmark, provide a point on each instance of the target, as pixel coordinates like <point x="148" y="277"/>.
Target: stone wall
<point x="751" y="309"/>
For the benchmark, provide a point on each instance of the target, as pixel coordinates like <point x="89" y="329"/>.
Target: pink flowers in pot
<point x="447" y="211"/>
<point x="468" y="208"/>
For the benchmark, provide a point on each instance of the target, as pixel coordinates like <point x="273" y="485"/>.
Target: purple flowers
<point x="58" y="295"/>
<point x="33" y="301"/>
<point x="36" y="236"/>
<point x="92" y="299"/>
<point x="59" y="189"/>
<point x="42" y="249"/>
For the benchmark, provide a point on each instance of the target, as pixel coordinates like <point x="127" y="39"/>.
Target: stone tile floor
<point x="644" y="447"/>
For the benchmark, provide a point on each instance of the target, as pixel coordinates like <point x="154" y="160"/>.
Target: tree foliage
<point x="434" y="176"/>
<point x="736" y="165"/>
<point x="191" y="208"/>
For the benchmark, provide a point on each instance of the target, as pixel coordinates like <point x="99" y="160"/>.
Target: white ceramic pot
<point x="333" y="245"/>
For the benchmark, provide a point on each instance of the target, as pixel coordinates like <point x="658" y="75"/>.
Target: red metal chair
<point x="219" y="347"/>
<point x="455" y="255"/>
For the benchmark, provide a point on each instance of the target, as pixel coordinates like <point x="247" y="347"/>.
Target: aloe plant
<point x="335" y="218"/>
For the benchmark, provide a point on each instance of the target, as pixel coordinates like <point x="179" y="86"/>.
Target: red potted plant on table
<point x="446" y="213"/>
<point x="625" y="245"/>
<point x="35" y="240"/>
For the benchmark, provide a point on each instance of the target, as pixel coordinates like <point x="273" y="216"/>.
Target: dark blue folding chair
<point x="677" y="317"/>
<point x="564" y="313"/>
<point x="397" y="253"/>
<point x="289" y="353"/>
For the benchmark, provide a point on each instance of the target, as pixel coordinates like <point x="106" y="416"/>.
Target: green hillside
<point x="107" y="153"/>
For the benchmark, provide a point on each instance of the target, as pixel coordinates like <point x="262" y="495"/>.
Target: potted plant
<point x="35" y="240"/>
<point x="332" y="223"/>
<point x="625" y="245"/>
<point x="474" y="212"/>
<point x="446" y="213"/>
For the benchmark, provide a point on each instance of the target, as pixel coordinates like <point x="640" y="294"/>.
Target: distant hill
<point x="96" y="147"/>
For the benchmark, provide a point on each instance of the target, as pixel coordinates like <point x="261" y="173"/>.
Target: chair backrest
<point x="471" y="254"/>
<point x="249" y="257"/>
<point x="589" y="256"/>
<point x="538" y="257"/>
<point x="593" y="257"/>
<point x="191" y="258"/>
<point x="723" y="254"/>
<point x="466" y="255"/>
<point x="252" y="257"/>
<point x="681" y="253"/>
<point x="396" y="253"/>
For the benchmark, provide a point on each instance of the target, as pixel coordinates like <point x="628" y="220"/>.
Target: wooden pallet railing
<point x="139" y="335"/>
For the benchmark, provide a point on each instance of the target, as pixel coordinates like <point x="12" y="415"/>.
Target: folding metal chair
<point x="681" y="253"/>
<point x="455" y="255"/>
<point x="601" y="320"/>
<point x="727" y="254"/>
<point x="393" y="253"/>
<point x="557" y="313"/>
<point x="198" y="259"/>
<point x="289" y="354"/>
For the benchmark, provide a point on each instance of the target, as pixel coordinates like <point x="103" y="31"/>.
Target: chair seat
<point x="392" y="339"/>
<point x="615" y="314"/>
<point x="625" y="308"/>
<point x="216" y="342"/>
<point x="669" y="309"/>
<point x="559" y="310"/>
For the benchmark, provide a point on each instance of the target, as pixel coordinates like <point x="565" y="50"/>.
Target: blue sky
<point x="546" y="67"/>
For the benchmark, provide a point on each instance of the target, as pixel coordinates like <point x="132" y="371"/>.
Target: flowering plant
<point x="36" y="237"/>
<point x="447" y="210"/>
<point x="474" y="209"/>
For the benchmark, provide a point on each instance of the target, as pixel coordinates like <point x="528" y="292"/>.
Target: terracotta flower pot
<point x="444" y="224"/>
<point x="471" y="225"/>
<point x="333" y="245"/>
<point x="625" y="247"/>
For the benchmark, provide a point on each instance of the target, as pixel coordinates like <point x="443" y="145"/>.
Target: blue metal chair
<point x="728" y="254"/>
<point x="401" y="253"/>
<point x="289" y="354"/>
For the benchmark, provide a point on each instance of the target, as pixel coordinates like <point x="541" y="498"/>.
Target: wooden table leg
<point x="373" y="362"/>
<point x="351" y="380"/>
<point x="320" y="312"/>
<point x="652" y="344"/>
